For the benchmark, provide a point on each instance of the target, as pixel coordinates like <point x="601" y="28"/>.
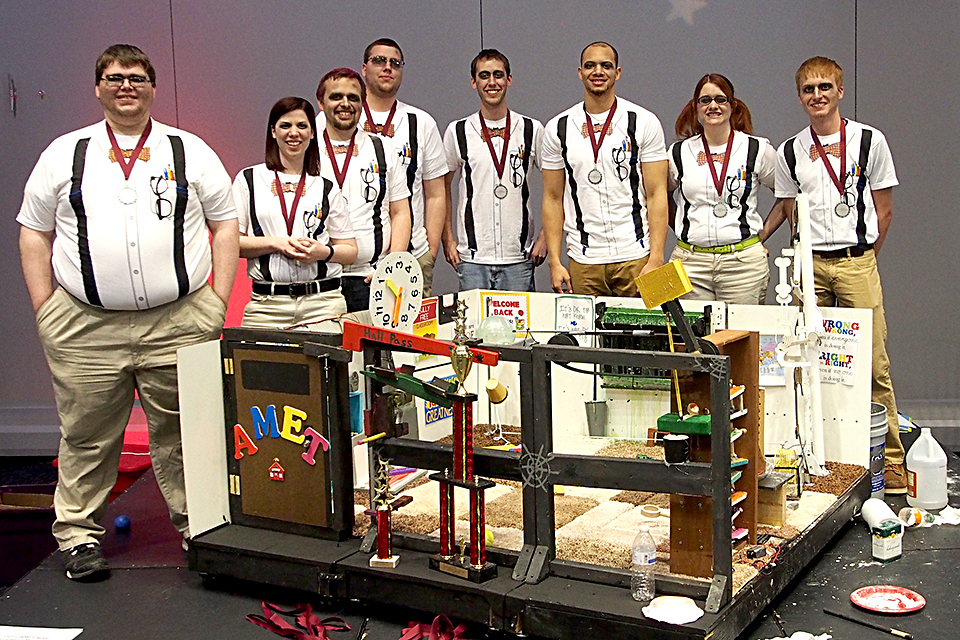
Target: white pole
<point x="812" y="330"/>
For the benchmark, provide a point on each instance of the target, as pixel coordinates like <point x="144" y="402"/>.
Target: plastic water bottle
<point x="641" y="570"/>
<point x="926" y="473"/>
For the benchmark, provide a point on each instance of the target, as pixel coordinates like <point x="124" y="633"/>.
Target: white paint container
<point x="886" y="530"/>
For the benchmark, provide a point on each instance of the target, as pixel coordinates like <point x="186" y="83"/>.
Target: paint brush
<point x="872" y="625"/>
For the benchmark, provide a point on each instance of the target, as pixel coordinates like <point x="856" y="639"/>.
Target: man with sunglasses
<point x="847" y="172"/>
<point x="494" y="150"/>
<point x="604" y="184"/>
<point x="417" y="143"/>
<point x="115" y="252"/>
<point x="370" y="178"/>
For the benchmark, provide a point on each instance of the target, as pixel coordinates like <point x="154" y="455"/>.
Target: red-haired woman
<point x="295" y="228"/>
<point x="715" y="172"/>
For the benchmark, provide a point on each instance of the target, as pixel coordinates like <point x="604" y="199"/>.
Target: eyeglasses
<point x="381" y="61"/>
<point x="705" y="100"/>
<point x="115" y="80"/>
<point x="162" y="207"/>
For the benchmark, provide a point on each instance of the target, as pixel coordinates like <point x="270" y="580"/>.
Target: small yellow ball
<point x="488" y="536"/>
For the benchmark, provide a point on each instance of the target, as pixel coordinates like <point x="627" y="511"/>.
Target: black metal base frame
<point x="535" y="593"/>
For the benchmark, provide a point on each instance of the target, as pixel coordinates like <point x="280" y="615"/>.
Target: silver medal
<point x="595" y="177"/>
<point x="719" y="210"/>
<point x="500" y="191"/>
<point x="127" y="195"/>
<point x="842" y="210"/>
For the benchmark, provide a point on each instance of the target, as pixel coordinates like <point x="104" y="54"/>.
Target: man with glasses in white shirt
<point x="115" y="250"/>
<point x="419" y="149"/>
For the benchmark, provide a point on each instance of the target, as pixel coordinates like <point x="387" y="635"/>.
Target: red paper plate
<point x="885" y="598"/>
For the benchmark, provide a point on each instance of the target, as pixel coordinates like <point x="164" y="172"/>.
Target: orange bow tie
<point x="702" y="158"/>
<point x="144" y="154"/>
<point x="831" y="149"/>
<point x="497" y="132"/>
<point x="378" y="128"/>
<point x="597" y="128"/>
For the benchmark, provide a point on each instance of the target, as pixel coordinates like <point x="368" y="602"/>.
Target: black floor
<point x="152" y="595"/>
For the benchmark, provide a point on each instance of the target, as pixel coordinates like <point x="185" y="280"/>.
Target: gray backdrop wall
<point x="222" y="65"/>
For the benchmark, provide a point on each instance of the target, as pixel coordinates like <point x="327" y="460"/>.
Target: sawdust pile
<point x="507" y="510"/>
<point x="841" y="477"/>
<point x="637" y="498"/>
<point x="630" y="449"/>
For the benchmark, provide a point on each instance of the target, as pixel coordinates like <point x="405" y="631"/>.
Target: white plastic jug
<point x="926" y="473"/>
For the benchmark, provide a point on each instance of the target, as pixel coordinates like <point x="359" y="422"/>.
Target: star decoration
<point x="685" y="9"/>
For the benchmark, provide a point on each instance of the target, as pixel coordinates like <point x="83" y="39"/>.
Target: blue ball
<point x="122" y="523"/>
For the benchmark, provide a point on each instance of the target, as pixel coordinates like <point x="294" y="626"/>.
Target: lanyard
<point x="837" y="180"/>
<point x="498" y="163"/>
<point x="718" y="181"/>
<point x="340" y="175"/>
<point x="603" y="132"/>
<point x="383" y="129"/>
<point x="292" y="215"/>
<point x="127" y="167"/>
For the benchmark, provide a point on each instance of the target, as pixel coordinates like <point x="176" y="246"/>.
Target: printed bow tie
<point x="702" y="158"/>
<point x="831" y="149"/>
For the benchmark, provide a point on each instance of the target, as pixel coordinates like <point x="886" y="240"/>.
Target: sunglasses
<point x="705" y="100"/>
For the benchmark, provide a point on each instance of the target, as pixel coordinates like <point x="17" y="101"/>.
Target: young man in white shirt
<point x="418" y="148"/>
<point x="494" y="151"/>
<point x="847" y="172"/>
<point x="604" y="184"/>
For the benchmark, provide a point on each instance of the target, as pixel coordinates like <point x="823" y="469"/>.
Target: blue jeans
<point x="497" y="277"/>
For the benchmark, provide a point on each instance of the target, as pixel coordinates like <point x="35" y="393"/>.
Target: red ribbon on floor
<point x="311" y="627"/>
<point x="441" y="629"/>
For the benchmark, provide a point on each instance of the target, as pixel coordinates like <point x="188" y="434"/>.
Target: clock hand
<point x="396" y="307"/>
<point x="393" y="287"/>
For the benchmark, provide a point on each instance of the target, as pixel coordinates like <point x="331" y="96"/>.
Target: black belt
<point x="849" y="252"/>
<point x="295" y="289"/>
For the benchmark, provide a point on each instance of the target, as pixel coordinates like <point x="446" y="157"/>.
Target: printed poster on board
<point x="838" y="351"/>
<point x="427" y="324"/>
<point x="513" y="305"/>
<point x="771" y="373"/>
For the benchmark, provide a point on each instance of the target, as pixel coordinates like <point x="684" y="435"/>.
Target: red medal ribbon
<point x="603" y="132"/>
<point x="718" y="181"/>
<point x="837" y="180"/>
<point x="383" y="129"/>
<point x="340" y="175"/>
<point x="292" y="215"/>
<point x="501" y="163"/>
<point x="127" y="167"/>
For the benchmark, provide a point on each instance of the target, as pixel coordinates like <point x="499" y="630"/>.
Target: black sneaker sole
<point x="90" y="575"/>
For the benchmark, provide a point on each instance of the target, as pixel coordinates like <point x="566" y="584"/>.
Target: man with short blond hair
<point x="115" y="250"/>
<point x="847" y="172"/>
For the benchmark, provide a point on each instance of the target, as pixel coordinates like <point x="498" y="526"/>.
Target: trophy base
<point x="385" y="563"/>
<point x="465" y="570"/>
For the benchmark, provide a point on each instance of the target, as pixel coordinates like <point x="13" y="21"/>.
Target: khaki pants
<point x="740" y="277"/>
<point x="427" y="262"/>
<point x="855" y="282"/>
<point x="315" y="312"/>
<point x="613" y="279"/>
<point x="97" y="359"/>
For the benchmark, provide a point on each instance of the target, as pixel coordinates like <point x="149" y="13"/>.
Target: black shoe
<point x="85" y="562"/>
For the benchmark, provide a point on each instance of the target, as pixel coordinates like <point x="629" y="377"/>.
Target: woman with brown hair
<point x="715" y="172"/>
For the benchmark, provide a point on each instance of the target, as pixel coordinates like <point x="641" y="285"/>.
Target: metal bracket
<point x="539" y="565"/>
<point x="523" y="563"/>
<point x="715" y="596"/>
<point x="369" y="540"/>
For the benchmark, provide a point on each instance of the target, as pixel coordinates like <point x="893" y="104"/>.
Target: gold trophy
<point x="461" y="357"/>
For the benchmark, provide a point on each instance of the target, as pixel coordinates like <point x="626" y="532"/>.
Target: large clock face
<point x="396" y="291"/>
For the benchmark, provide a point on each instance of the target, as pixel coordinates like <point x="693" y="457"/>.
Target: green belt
<point x="726" y="248"/>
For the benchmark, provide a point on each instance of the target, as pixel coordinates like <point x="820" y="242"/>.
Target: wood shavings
<point x="841" y="477"/>
<point x="630" y="449"/>
<point x="637" y="498"/>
